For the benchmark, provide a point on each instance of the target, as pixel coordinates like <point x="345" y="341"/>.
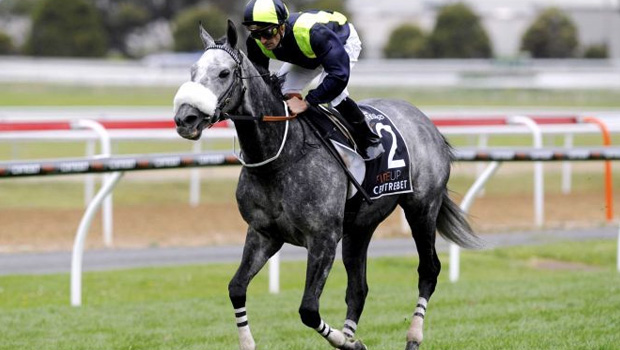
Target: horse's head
<point x="215" y="87"/>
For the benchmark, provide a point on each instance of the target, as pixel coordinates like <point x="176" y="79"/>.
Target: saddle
<point x="334" y="126"/>
<point x="386" y="175"/>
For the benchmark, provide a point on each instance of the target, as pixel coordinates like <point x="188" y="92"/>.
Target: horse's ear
<point x="232" y="34"/>
<point x="207" y="40"/>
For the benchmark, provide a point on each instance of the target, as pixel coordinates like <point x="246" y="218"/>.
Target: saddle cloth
<point x="384" y="176"/>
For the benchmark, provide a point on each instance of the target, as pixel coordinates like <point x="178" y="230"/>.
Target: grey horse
<point x="291" y="190"/>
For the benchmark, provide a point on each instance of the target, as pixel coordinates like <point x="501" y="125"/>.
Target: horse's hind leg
<point x="354" y="255"/>
<point x="256" y="252"/>
<point x="423" y="228"/>
<point x="321" y="254"/>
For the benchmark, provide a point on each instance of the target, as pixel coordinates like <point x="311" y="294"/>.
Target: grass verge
<point x="504" y="301"/>
<point x="428" y="97"/>
<point x="21" y="94"/>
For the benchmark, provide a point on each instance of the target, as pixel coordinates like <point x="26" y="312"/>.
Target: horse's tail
<point x="453" y="226"/>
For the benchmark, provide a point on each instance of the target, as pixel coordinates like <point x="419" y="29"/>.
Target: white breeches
<point x="298" y="78"/>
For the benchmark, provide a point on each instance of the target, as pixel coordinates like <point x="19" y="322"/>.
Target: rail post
<point x="274" y="273"/>
<point x="89" y="179"/>
<point x="539" y="180"/>
<point x="618" y="252"/>
<point x="194" y="180"/>
<point x="567" y="166"/>
<point x="82" y="232"/>
<point x="455" y="250"/>
<point x="609" y="199"/>
<point x="106" y="151"/>
<point x="483" y="142"/>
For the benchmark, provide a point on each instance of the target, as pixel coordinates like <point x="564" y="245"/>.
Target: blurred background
<point x="124" y="60"/>
<point x="389" y="29"/>
<point x="568" y="44"/>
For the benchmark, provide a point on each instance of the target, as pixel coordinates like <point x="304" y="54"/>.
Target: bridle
<point x="226" y="97"/>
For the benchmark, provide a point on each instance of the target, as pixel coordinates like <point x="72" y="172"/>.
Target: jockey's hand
<point x="296" y="105"/>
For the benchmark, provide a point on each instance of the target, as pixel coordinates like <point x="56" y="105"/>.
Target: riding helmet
<point x="265" y="12"/>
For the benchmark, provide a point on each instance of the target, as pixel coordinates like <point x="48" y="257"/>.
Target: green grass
<point x="427" y="97"/>
<point x="501" y="302"/>
<point x="21" y="94"/>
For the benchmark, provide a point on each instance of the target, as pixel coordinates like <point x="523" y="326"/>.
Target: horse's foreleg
<point x="423" y="230"/>
<point x="256" y="252"/>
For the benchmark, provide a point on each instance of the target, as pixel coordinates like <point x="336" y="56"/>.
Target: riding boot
<point x="368" y="142"/>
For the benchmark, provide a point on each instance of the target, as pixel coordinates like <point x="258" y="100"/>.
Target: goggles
<point x="266" y="33"/>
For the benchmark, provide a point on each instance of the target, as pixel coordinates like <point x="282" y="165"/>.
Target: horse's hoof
<point x="352" y="344"/>
<point x="412" y="345"/>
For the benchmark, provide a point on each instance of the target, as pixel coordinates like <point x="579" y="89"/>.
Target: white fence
<point x="118" y="165"/>
<point x="481" y="128"/>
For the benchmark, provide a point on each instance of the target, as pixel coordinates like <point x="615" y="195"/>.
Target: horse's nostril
<point x="190" y="119"/>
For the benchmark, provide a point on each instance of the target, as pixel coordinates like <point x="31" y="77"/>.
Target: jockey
<point x="310" y="43"/>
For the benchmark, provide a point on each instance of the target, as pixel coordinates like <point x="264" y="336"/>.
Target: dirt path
<point x="161" y="225"/>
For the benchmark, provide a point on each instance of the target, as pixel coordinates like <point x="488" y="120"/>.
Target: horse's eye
<point x="224" y="74"/>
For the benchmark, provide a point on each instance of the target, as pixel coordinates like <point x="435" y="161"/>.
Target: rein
<point x="267" y="161"/>
<point x="264" y="118"/>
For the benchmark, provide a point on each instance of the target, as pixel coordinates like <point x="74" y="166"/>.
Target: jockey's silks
<point x="311" y="39"/>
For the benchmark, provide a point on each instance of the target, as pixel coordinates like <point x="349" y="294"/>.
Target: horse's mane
<point x="272" y="80"/>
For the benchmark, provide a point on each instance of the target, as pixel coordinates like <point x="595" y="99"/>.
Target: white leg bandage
<point x="333" y="336"/>
<point x="246" y="341"/>
<point x="415" y="334"/>
<point x="349" y="328"/>
<point x="420" y="310"/>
